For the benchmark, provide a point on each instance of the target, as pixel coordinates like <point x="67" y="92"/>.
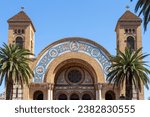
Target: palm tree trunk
<point x="129" y="89"/>
<point x="9" y="91"/>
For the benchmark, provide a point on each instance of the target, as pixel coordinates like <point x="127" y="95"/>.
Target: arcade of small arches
<point x="110" y="95"/>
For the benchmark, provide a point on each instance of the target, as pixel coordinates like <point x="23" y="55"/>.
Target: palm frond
<point x="143" y="6"/>
<point x="129" y="65"/>
<point x="14" y="66"/>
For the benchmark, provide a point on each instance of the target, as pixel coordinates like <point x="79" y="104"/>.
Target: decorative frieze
<point x="69" y="46"/>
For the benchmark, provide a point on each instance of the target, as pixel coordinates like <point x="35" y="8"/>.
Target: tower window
<point x="22" y="31"/>
<point x="130" y="42"/>
<point x="15" y="31"/>
<point x="129" y="30"/>
<point x="133" y="30"/>
<point x="19" y="31"/>
<point x="126" y="30"/>
<point x="19" y="41"/>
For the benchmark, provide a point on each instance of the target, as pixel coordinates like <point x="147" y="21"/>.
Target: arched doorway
<point x="74" y="97"/>
<point x="110" y="95"/>
<point x="62" y="97"/>
<point x="38" y="95"/>
<point x="75" y="79"/>
<point x="86" y="97"/>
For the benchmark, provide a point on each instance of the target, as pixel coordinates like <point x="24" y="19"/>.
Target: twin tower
<point x="128" y="31"/>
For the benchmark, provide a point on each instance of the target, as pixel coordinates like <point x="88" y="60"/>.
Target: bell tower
<point x="21" y="31"/>
<point x="128" y="34"/>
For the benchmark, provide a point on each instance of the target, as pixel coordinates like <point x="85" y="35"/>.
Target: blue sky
<point x="56" y="19"/>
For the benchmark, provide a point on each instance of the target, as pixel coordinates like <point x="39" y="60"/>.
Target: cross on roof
<point x="22" y="8"/>
<point x="127" y="7"/>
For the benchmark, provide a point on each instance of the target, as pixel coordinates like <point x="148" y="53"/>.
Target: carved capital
<point x="99" y="86"/>
<point x="51" y="86"/>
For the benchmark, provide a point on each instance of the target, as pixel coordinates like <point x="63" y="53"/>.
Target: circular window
<point x="74" y="76"/>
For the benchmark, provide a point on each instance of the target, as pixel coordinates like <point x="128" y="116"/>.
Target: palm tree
<point x="129" y="68"/>
<point x="14" y="68"/>
<point x="144" y="7"/>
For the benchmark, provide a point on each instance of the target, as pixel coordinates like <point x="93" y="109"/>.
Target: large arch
<point x="75" y="47"/>
<point x="74" y="76"/>
<point x="61" y="60"/>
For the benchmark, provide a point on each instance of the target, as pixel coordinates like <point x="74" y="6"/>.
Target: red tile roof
<point x="129" y="16"/>
<point x="21" y="17"/>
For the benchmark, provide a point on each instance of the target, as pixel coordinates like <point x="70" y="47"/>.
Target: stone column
<point x="50" y="91"/>
<point x="52" y="87"/>
<point x="99" y="91"/>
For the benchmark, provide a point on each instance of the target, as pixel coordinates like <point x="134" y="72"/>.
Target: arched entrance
<point x="62" y="97"/>
<point x="86" y="97"/>
<point x="76" y="79"/>
<point x="110" y="95"/>
<point x="74" y="97"/>
<point x="85" y="72"/>
<point x="38" y="95"/>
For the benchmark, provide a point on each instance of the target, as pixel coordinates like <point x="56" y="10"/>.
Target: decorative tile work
<point x="69" y="46"/>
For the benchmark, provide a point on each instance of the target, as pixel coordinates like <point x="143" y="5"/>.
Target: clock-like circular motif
<point x="53" y="53"/>
<point x="74" y="75"/>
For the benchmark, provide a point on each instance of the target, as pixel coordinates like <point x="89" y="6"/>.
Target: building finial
<point x="127" y="7"/>
<point x="22" y="8"/>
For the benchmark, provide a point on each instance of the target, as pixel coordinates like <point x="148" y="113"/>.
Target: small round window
<point x="74" y="76"/>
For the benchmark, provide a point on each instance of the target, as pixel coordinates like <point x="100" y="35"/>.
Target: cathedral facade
<point x="72" y="68"/>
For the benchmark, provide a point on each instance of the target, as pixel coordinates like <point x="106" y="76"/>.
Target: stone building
<point x="72" y="68"/>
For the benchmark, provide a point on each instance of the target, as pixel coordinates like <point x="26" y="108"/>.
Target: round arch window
<point x="19" y="41"/>
<point x="130" y="42"/>
<point x="86" y="97"/>
<point x="74" y="97"/>
<point x="110" y="95"/>
<point x="38" y="95"/>
<point x="62" y="97"/>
